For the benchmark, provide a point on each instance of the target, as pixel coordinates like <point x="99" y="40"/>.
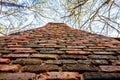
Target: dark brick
<point x="106" y="57"/>
<point x="44" y="56"/>
<point x="55" y="46"/>
<point x="101" y="76"/>
<point x="45" y="49"/>
<point x="17" y="76"/>
<point x="34" y="46"/>
<point x="76" y="57"/>
<point x="40" y="68"/>
<point x="79" y="68"/>
<point x="110" y="68"/>
<point x="60" y="76"/>
<point x="69" y="49"/>
<point x="9" y="68"/>
<point x="27" y="61"/>
<point x="5" y="51"/>
<point x="52" y="52"/>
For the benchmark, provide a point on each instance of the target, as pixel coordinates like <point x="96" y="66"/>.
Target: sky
<point x="27" y="16"/>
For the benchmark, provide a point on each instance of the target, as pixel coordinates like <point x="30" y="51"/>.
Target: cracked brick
<point x="110" y="68"/>
<point x="79" y="68"/>
<point x="27" y="61"/>
<point x="59" y="76"/>
<point x="40" y="68"/>
<point x="76" y="57"/>
<point x="60" y="62"/>
<point x="101" y="76"/>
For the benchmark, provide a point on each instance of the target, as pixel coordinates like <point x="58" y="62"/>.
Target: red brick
<point x="78" y="52"/>
<point x="9" y="68"/>
<point x="110" y="68"/>
<point x="60" y="76"/>
<point x="110" y="45"/>
<point x="80" y="41"/>
<point x="2" y="60"/>
<point x="19" y="38"/>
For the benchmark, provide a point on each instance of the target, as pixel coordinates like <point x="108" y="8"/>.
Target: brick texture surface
<point x="59" y="52"/>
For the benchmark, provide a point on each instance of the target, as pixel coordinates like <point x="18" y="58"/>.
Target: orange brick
<point x="78" y="52"/>
<point x="60" y="76"/>
<point x="9" y="68"/>
<point x="2" y="60"/>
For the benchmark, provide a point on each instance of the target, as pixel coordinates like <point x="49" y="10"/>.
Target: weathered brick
<point x="39" y="68"/>
<point x="93" y="49"/>
<point x="100" y="57"/>
<point x="59" y="62"/>
<point x="69" y="49"/>
<point x="104" y="53"/>
<point x="84" y="61"/>
<point x="76" y="47"/>
<point x="22" y="49"/>
<point x="16" y="56"/>
<point x="110" y="68"/>
<point x="78" y="52"/>
<point x="112" y="49"/>
<point x="79" y="68"/>
<point x="14" y="46"/>
<point x="17" y="76"/>
<point x="27" y="61"/>
<point x="44" y="49"/>
<point x="115" y="62"/>
<point x="44" y="56"/>
<point x="99" y="62"/>
<point x="101" y="76"/>
<point x="5" y="51"/>
<point x="4" y="60"/>
<point x="9" y="68"/>
<point x="76" y="57"/>
<point x="60" y="76"/>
